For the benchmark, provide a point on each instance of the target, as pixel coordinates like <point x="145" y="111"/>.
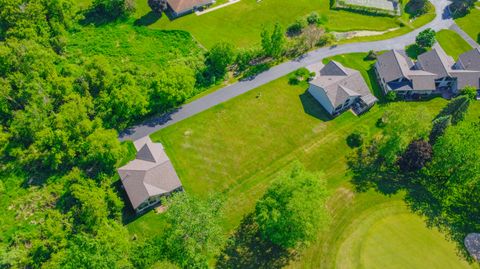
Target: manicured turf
<point x="236" y="149"/>
<point x="471" y="23"/>
<point x="241" y="23"/>
<point x="370" y="230"/>
<point x="452" y="43"/>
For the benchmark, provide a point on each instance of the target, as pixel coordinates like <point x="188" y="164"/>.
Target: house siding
<point x="320" y="95"/>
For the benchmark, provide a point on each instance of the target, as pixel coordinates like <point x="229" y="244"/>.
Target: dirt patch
<point x="361" y="33"/>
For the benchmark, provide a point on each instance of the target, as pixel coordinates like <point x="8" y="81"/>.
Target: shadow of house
<point x="148" y="19"/>
<point x="311" y="107"/>
<point x="247" y="249"/>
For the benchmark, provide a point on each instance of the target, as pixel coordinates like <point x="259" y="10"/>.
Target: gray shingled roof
<point x="466" y="78"/>
<point x="470" y="60"/>
<point x="437" y="62"/>
<point x="150" y="174"/>
<point x="393" y="65"/>
<point x="340" y="83"/>
<point x="180" y="6"/>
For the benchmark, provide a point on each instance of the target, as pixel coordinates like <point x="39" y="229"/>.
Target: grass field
<point x="242" y="22"/>
<point x="471" y="23"/>
<point x="238" y="147"/>
<point x="452" y="43"/>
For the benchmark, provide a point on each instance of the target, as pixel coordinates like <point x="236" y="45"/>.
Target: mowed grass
<point x="241" y="23"/>
<point x="471" y="23"/>
<point x="238" y="147"/>
<point x="452" y="43"/>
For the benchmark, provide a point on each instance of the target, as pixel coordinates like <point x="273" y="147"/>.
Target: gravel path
<point x="443" y="20"/>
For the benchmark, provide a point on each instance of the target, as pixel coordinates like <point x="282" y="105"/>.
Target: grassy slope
<point x="471" y="23"/>
<point x="236" y="148"/>
<point x="242" y="22"/>
<point x="452" y="43"/>
<point x="123" y="43"/>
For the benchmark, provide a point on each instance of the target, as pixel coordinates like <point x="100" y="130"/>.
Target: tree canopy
<point x="426" y="38"/>
<point x="293" y="211"/>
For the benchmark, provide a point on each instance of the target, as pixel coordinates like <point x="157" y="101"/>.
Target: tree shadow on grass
<point x="247" y="249"/>
<point x="313" y="108"/>
<point x="148" y="19"/>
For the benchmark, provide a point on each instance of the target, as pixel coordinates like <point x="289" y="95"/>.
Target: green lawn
<point x="238" y="147"/>
<point x="452" y="43"/>
<point x="241" y="23"/>
<point x="471" y="23"/>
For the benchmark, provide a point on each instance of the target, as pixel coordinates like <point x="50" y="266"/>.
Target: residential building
<point x="150" y="176"/>
<point x="182" y="7"/>
<point x="434" y="71"/>
<point x="338" y="88"/>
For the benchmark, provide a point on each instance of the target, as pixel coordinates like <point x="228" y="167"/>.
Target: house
<point x="434" y="71"/>
<point x="150" y="176"/>
<point x="397" y="72"/>
<point x="338" y="88"/>
<point x="182" y="7"/>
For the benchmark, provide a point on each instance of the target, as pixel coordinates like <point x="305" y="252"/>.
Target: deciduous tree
<point x="293" y="210"/>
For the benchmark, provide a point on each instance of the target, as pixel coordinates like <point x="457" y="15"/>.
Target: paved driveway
<point x="442" y="21"/>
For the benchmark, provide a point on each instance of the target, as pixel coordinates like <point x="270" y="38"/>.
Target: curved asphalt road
<point x="443" y="20"/>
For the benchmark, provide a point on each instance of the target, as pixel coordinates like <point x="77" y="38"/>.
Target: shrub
<point x="296" y="27"/>
<point x="313" y="18"/>
<point x="470" y="92"/>
<point x="372" y="55"/>
<point x="391" y="96"/>
<point x="357" y="137"/>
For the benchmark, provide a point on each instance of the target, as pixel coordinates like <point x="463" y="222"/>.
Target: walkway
<point x="443" y="20"/>
<point x="230" y="2"/>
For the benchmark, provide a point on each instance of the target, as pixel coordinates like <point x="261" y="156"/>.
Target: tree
<point x="102" y="151"/>
<point x="417" y="7"/>
<point x="292" y="211"/>
<point x="194" y="234"/>
<point x="112" y="9"/>
<point x="158" y="6"/>
<point x="453" y="177"/>
<point x="402" y="125"/>
<point x="273" y="44"/>
<point x="218" y="59"/>
<point x="469" y="91"/>
<point x="418" y="153"/>
<point x="426" y="38"/>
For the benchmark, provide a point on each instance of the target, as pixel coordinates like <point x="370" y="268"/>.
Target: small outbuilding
<point x="150" y="176"/>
